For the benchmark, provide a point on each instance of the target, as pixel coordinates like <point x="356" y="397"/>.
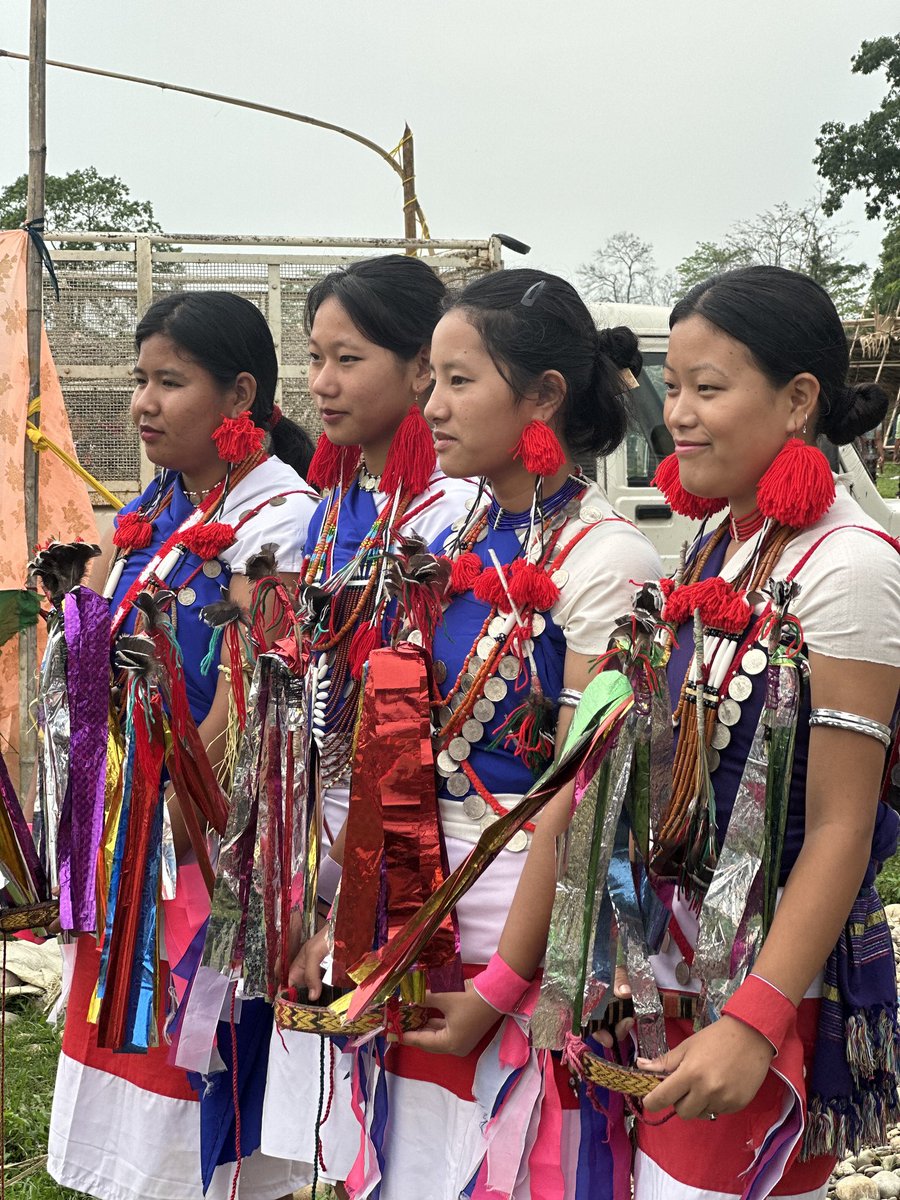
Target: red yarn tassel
<point x="679" y="499"/>
<point x="331" y="464"/>
<point x="237" y="438"/>
<point x="366" y="639"/>
<point x="798" y="487"/>
<point x="208" y="541"/>
<point x="133" y="531"/>
<point x="465" y="573"/>
<point x="411" y="458"/>
<point x="489" y="589"/>
<point x="539" y="449"/>
<point x="531" y="587"/>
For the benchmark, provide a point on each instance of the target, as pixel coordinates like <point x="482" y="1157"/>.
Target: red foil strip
<point x="393" y="817"/>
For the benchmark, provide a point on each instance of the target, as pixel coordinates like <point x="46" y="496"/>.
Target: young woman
<point x="370" y="330"/>
<point x="792" y="956"/>
<point x="128" y="1125"/>
<point x="541" y="574"/>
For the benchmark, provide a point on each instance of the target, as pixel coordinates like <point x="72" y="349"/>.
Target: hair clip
<point x="533" y="292"/>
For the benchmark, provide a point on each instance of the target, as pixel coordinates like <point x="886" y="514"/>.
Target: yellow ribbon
<point x="40" y="441"/>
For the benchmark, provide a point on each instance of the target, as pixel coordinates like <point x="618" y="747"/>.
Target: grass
<point x="31" y="1051"/>
<point x="888" y="480"/>
<point x="888" y="882"/>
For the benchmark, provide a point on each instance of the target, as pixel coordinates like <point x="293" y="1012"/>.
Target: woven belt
<point x="308" y="1018"/>
<point x="29" y="916"/>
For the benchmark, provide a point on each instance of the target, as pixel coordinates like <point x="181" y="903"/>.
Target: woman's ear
<point x="422" y="376"/>
<point x="803" y="394"/>
<point x="244" y="393"/>
<point x="551" y="395"/>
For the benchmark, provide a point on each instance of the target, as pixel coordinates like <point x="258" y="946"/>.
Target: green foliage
<point x="800" y="238"/>
<point x="886" y="280"/>
<point x="866" y="156"/>
<point x="32" y="1050"/>
<point x="888" y="881"/>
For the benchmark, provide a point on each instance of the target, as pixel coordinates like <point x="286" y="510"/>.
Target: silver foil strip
<point x="53" y="748"/>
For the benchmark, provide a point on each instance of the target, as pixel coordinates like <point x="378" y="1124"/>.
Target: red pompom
<point x="237" y="438"/>
<point x="539" y="449"/>
<point x="411" y="459"/>
<point x="133" y="531"/>
<point x="208" y="541"/>
<point x="489" y="589"/>
<point x="531" y="587"/>
<point x="798" y="487"/>
<point x="667" y="587"/>
<point x="331" y="464"/>
<point x="366" y="639"/>
<point x="721" y="607"/>
<point x="465" y="572"/>
<point x="679" y="499"/>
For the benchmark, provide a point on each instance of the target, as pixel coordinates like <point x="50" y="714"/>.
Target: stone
<point x="888" y="1184"/>
<point x="856" y="1187"/>
<point x="895" y="1145"/>
<point x="845" y="1168"/>
<point x="889" y="1162"/>
<point x="865" y="1158"/>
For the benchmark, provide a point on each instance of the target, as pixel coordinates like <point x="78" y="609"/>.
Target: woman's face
<point x="176" y="405"/>
<point x="727" y="420"/>
<point x="362" y="391"/>
<point x="472" y="409"/>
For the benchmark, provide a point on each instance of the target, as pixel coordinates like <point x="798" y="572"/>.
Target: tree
<point x="886" y="280"/>
<point x="866" y="156"/>
<point x="623" y="271"/>
<point x="799" y="238"/>
<point x="80" y="200"/>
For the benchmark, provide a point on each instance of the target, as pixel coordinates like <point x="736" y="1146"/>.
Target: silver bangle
<point x="836" y="719"/>
<point x="569" y="698"/>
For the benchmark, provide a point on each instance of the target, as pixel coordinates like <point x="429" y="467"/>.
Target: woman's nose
<point x="435" y="409"/>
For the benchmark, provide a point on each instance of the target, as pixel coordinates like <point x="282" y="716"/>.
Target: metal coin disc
<point x="473" y="806"/>
<point x="470" y="504"/>
<point x="721" y="737"/>
<point x="444" y="715"/>
<point x="538" y="624"/>
<point x="458" y="785"/>
<point x="481" y="535"/>
<point x="560" y="577"/>
<point x="682" y="973"/>
<point x="483" y="710"/>
<point x="440" y="670"/>
<point x="212" y="568"/>
<point x="475" y="664"/>
<point x="277" y="501"/>
<point x="446" y="765"/>
<point x="472" y="731"/>
<point x="186" y="596"/>
<point x="459" y="749"/>
<point x="589" y="514"/>
<point x="495" y="689"/>
<point x="466" y="682"/>
<point x="729" y="712"/>
<point x="740" y="688"/>
<point x="456" y="701"/>
<point x="496" y="626"/>
<point x="518" y="841"/>
<point x="415" y="636"/>
<point x="754" y="661"/>
<point x="712" y="760"/>
<point x="485" y="648"/>
<point x="509" y="667"/>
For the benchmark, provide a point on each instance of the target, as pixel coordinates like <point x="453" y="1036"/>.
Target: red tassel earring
<point x="539" y="449"/>
<point x="798" y="487"/>
<point x="411" y="459"/>
<point x="679" y="499"/>
<point x="331" y="465"/>
<point x="237" y="438"/>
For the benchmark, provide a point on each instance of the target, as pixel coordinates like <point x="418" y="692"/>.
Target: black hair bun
<point x="859" y="407"/>
<point x="621" y="346"/>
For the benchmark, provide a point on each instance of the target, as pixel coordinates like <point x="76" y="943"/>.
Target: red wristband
<point x="763" y="1007"/>
<point x="500" y="987"/>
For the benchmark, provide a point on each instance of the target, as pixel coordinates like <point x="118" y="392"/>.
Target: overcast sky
<point x="559" y="122"/>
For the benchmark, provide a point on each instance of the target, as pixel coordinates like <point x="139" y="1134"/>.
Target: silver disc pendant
<point x="212" y="568"/>
<point x="444" y="715"/>
<point x="456" y="701"/>
<point x="721" y="737"/>
<point x="458" y="785"/>
<point x="754" y="661"/>
<point x="485" y="648"/>
<point x="446" y="766"/>
<point x="479" y="537"/>
<point x="473" y="731"/>
<point x="440" y="670"/>
<point x="186" y="596"/>
<point x="538" y="624"/>
<point x="415" y="636"/>
<point x="740" y="688"/>
<point x="277" y="501"/>
<point x="683" y="973"/>
<point x="495" y="689"/>
<point x="495" y="628"/>
<point x="518" y="842"/>
<point x="560" y="577"/>
<point x="459" y="749"/>
<point x="483" y="711"/>
<point x="473" y="806"/>
<point x="729" y="712"/>
<point x="466" y="682"/>
<point x="712" y="760"/>
<point x="475" y="664"/>
<point x="509" y="667"/>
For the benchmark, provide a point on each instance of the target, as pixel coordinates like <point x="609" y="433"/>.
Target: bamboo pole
<point x="37" y="159"/>
<point x="265" y="108"/>
<point x="408" y="176"/>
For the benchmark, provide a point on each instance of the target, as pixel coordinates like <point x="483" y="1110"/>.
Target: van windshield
<point x="648" y="441"/>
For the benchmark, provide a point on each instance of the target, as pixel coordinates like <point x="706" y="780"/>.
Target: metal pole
<point x="37" y="160"/>
<point x="407" y="163"/>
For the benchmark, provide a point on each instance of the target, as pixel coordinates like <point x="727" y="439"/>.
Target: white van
<point x="626" y="474"/>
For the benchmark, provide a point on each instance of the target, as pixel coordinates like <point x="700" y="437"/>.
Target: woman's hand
<point x="306" y="967"/>
<point x="465" y="1019"/>
<point x="718" y="1070"/>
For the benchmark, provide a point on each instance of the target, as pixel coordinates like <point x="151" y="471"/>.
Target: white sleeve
<point x="604" y="569"/>
<point x="284" y="524"/>
<point x="450" y="503"/>
<point x="849" y="598"/>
